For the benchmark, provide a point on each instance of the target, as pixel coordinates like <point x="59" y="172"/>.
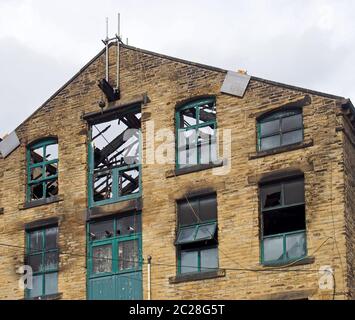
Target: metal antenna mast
<point x="112" y="93"/>
<point x="118" y="36"/>
<point x="107" y="50"/>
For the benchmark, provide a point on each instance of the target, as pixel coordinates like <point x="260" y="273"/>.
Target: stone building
<point x="178" y="180"/>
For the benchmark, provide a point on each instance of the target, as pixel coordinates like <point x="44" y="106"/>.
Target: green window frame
<point x="195" y="132"/>
<point x="114" y="241"/>
<point x="197" y="236"/>
<point x="42" y="255"/>
<point x="116" y="174"/>
<point x="42" y="174"/>
<point x="282" y="199"/>
<point x="200" y="266"/>
<point x="280" y="128"/>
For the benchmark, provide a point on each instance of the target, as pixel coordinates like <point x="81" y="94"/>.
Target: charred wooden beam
<point x="110" y="93"/>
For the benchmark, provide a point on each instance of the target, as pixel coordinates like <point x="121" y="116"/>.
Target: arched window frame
<point x="281" y="116"/>
<point x="42" y="144"/>
<point x="195" y="104"/>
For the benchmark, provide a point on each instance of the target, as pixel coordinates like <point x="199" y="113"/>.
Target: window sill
<point x="56" y="296"/>
<point x="41" y="202"/>
<point x="198" y="276"/>
<point x="195" y="168"/>
<point x="300" y="262"/>
<point x="291" y="147"/>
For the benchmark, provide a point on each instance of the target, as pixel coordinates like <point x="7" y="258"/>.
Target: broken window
<point x="283" y="221"/>
<point x="196" y="127"/>
<point x="42" y="164"/>
<point x="280" y="129"/>
<point x="196" y="239"/>
<point x="42" y="255"/>
<point x="115" y="244"/>
<point x="115" y="159"/>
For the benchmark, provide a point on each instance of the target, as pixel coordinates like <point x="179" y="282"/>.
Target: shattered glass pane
<point x="273" y="249"/>
<point x="188" y="117"/>
<point x="51" y="169"/>
<point x="102" y="259"/>
<point x="129" y="182"/>
<point x="101" y="230"/>
<point x="116" y="142"/>
<point x="128" y="255"/>
<point x="296" y="245"/>
<point x="129" y="225"/>
<point x="271" y="196"/>
<point x="51" y="188"/>
<point x="207" y="112"/>
<point x="36" y="173"/>
<point x="36" y="191"/>
<point x="37" y="155"/>
<point x="102" y="186"/>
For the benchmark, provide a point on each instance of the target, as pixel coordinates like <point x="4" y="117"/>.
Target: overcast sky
<point x="308" y="43"/>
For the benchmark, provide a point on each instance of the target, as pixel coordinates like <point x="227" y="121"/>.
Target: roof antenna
<point x="107" y="50"/>
<point x="118" y="38"/>
<point x="112" y="94"/>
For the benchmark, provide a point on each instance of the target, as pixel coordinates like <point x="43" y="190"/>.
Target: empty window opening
<point x="196" y="129"/>
<point x="42" y="164"/>
<point x="115" y="159"/>
<point x="283" y="221"/>
<point x="197" y="238"/>
<point x="280" y="129"/>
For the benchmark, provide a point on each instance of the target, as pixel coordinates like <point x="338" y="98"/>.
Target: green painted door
<point x="115" y="259"/>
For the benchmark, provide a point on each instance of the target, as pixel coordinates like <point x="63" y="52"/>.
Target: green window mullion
<point x="114" y="257"/>
<point x="116" y="192"/>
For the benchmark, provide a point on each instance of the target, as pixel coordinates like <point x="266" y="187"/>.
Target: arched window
<point x="42" y="170"/>
<point x="280" y="128"/>
<point x="196" y="133"/>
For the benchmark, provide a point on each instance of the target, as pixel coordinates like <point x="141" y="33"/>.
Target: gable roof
<point x="187" y="62"/>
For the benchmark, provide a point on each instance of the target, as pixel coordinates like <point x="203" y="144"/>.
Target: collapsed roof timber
<point x="116" y="151"/>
